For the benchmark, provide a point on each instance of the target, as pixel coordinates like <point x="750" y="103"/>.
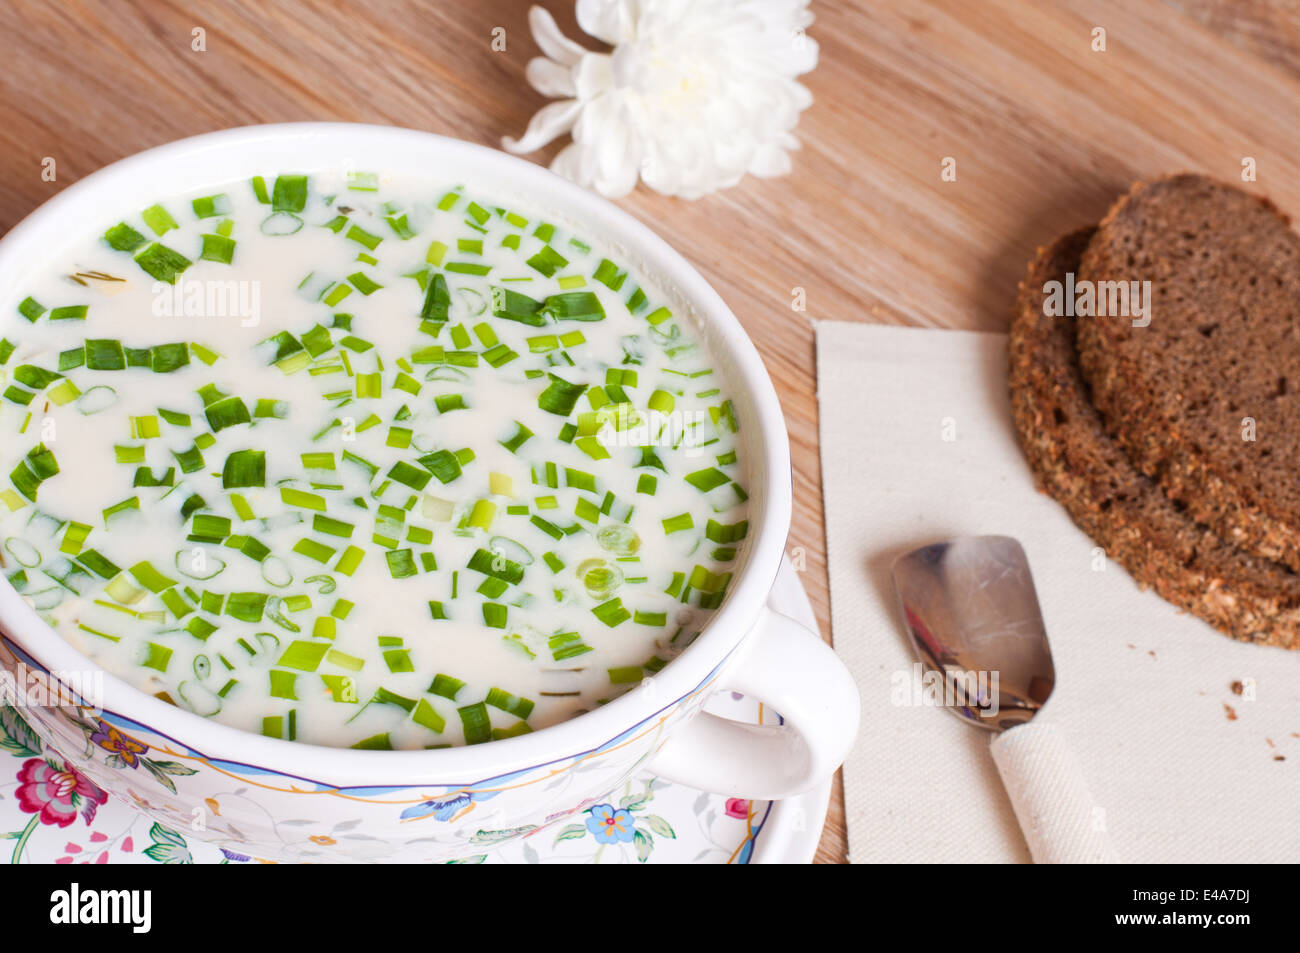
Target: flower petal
<point x="550" y="78"/>
<point x="593" y="76"/>
<point x="608" y="20"/>
<point x="550" y="121"/>
<point x="550" y="40"/>
<point x="802" y="55"/>
<point x="770" y="160"/>
<point x="603" y="131"/>
<point x="569" y="163"/>
<point x="660" y="172"/>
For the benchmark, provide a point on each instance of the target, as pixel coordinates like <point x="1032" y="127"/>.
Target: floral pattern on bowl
<point x="52" y="813"/>
<point x="254" y="811"/>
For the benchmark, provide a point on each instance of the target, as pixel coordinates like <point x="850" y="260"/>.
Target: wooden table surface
<point x="1045" y="132"/>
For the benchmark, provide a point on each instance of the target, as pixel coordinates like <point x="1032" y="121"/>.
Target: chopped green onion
<point x="401" y="563"/>
<point x="305" y="656"/>
<point x="314" y="550"/>
<point x="289" y="194"/>
<point x="443" y="464"/>
<point x="707" y="479"/>
<point x="567" y="645"/>
<point x="158" y="219"/>
<point x="363" y="237"/>
<point x="476" y="723"/>
<point x="217" y="248"/>
<point x="547" y="261"/>
<point x="514" y="306"/>
<point x="425" y="714"/>
<point x="574" y="306"/>
<point x="157" y="656"/>
<point x="341" y="688"/>
<point x="122" y="237"/>
<point x="612" y="612"/>
<point x="104" y="355"/>
<point x="363" y="283"/>
<point x="162" y="263"/>
<point x="244" y="468"/>
<point x="560" y="396"/>
<point x="514" y="704"/>
<point x="211" y="206"/>
<point x="31" y="309"/>
<point x="343" y="660"/>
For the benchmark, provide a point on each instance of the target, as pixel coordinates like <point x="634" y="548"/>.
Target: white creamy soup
<point x="363" y="462"/>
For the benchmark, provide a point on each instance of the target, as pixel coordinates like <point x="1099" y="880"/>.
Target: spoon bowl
<point x="972" y="612"/>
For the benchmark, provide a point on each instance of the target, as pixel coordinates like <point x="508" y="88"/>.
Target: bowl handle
<point x="787" y="667"/>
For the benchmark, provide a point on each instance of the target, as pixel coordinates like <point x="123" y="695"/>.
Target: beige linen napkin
<point x="917" y="444"/>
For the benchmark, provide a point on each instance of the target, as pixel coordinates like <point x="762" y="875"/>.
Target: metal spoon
<point x="972" y="611"/>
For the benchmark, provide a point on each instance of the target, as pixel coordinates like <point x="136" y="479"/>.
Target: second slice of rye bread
<point x="1206" y="398"/>
<point x="1124" y="511"/>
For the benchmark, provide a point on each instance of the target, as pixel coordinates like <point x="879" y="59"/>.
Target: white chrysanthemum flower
<point x="694" y="94"/>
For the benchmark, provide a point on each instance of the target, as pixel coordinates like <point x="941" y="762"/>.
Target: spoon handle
<point x="1061" y="821"/>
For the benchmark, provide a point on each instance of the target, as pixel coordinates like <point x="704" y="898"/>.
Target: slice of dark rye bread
<point x="1125" y="512"/>
<point x="1219" y="359"/>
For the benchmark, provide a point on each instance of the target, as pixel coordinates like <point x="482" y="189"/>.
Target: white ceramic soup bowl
<point x="275" y="799"/>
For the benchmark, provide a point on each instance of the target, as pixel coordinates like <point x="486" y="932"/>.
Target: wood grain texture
<point x="1044" y="130"/>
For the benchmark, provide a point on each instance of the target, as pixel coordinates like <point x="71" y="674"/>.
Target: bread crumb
<point x="1237" y="688"/>
<point x="1232" y="712"/>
